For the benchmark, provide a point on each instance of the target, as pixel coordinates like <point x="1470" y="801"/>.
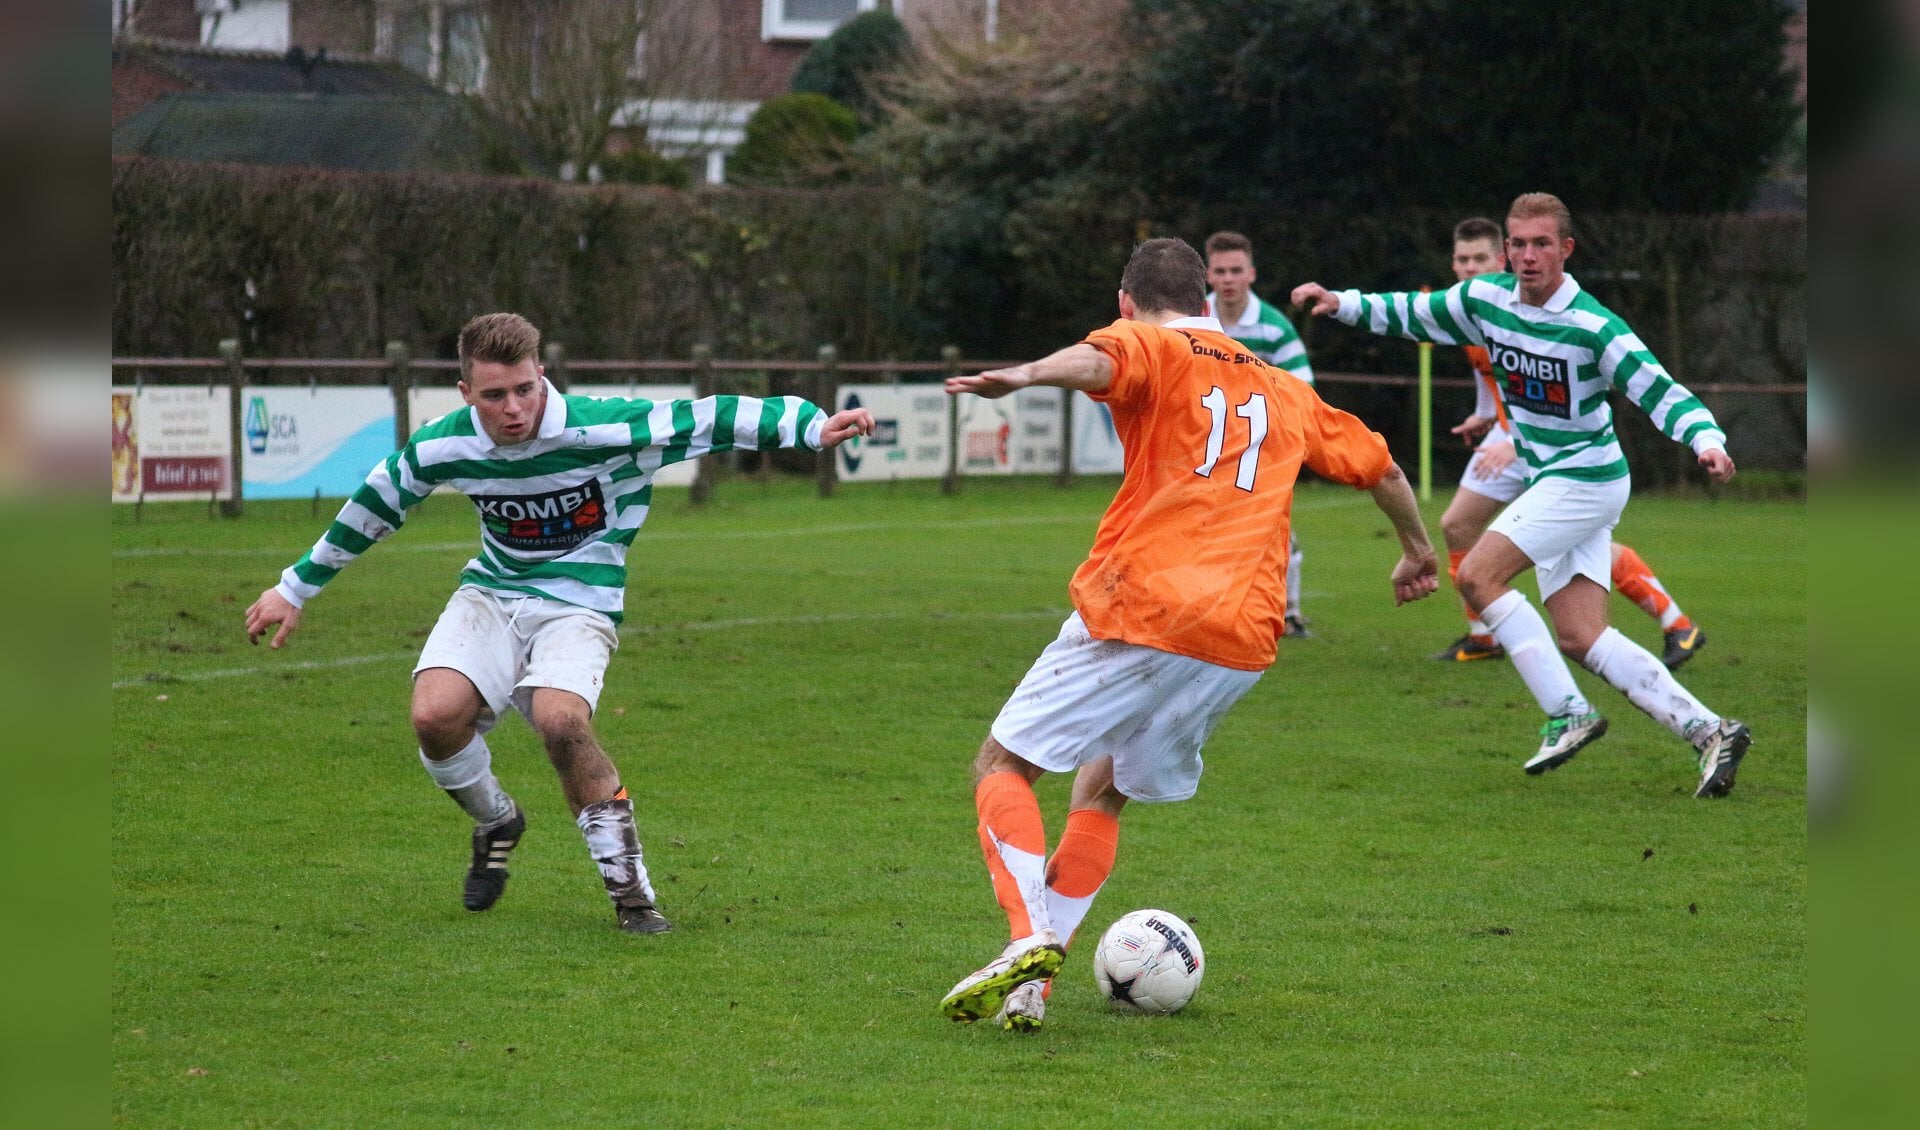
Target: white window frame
<point x="774" y="23"/>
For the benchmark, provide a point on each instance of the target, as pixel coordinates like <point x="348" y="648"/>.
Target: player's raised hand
<point x="843" y="426"/>
<point x="1415" y="576"/>
<point x="271" y="609"/>
<point x="993" y="384"/>
<point x="1719" y="465"/>
<point x="1315" y="298"/>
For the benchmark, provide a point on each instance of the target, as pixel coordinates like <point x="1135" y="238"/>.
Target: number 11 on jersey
<point x="1254" y="412"/>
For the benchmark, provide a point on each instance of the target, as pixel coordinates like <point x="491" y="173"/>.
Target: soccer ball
<point x="1149" y="961"/>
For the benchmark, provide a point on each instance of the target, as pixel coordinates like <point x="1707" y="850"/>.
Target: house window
<point x="808" y="19"/>
<point x="441" y="39"/>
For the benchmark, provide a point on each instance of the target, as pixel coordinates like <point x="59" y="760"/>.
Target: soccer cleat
<point x="1563" y="736"/>
<point x="1720" y="758"/>
<point x="637" y="915"/>
<point x="1470" y="647"/>
<point x="1026" y="1008"/>
<point x="1682" y="645"/>
<point x="487" y="875"/>
<point x="982" y="992"/>
<point x="1296" y="628"/>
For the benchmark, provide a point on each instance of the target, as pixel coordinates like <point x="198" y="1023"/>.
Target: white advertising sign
<point x="171" y="440"/>
<point x="986" y="435"/>
<point x="909" y="439"/>
<point x="303" y="441"/>
<point x="1035" y="441"/>
<point x="1096" y="446"/>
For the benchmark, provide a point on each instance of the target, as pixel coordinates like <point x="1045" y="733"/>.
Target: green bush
<point x="843" y="66"/>
<point x="641" y="165"/>
<point x="795" y="139"/>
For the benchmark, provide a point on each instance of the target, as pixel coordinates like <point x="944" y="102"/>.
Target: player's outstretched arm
<point x="843" y="426"/>
<point x="1315" y="299"/>
<point x="1417" y="573"/>
<point x="271" y="609"/>
<point x="1079" y="367"/>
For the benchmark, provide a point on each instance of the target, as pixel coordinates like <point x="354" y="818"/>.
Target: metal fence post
<point x="1065" y="477"/>
<point x="400" y="387"/>
<point x="556" y="355"/>
<point x="950" y="482"/>
<point x="704" y="468"/>
<point x="233" y="506"/>
<point x="826" y="468"/>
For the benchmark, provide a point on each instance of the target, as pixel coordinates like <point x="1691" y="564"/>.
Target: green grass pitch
<point x="1402" y="929"/>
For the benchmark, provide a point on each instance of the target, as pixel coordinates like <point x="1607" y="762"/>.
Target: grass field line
<point x="692" y="535"/>
<point x="161" y="680"/>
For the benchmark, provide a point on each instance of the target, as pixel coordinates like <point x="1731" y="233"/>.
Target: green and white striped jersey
<point x="1269" y="334"/>
<point x="1554" y="365"/>
<point x="557" y="512"/>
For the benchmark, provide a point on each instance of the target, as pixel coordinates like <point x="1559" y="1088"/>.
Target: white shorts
<point x="1564" y="526"/>
<point x="1503" y="486"/>
<point x="509" y="643"/>
<point x="1150" y="710"/>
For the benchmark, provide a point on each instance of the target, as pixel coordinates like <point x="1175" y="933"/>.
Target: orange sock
<point x="1637" y="583"/>
<point x="1474" y="627"/>
<point x="1014" y="841"/>
<point x="1080" y="865"/>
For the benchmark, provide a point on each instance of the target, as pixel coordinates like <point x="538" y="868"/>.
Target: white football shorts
<point x="510" y="643"/>
<point x="1564" y="526"/>
<point x="1151" y="710"/>
<point x="1504" y="485"/>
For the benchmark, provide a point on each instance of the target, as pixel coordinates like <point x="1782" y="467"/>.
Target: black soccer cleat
<point x="1720" y="760"/>
<point x="487" y="876"/>
<point x="1682" y="644"/>
<point x="1470" y="647"/>
<point x="639" y="916"/>
<point x="1296" y="628"/>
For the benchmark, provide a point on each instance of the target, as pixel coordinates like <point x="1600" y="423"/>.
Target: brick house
<point x="698" y="77"/>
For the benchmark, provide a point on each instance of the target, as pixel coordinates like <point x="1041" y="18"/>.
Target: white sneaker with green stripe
<point x="1563" y="736"/>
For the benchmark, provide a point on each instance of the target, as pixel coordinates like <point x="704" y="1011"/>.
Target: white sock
<point x="614" y="842"/>
<point x="1478" y="627"/>
<point x="1066" y="913"/>
<point x="1637" y="673"/>
<point x="1523" y="632"/>
<point x="468" y="778"/>
<point x="1294" y="557"/>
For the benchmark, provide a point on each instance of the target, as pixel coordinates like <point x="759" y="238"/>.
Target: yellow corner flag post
<point x="1426" y="417"/>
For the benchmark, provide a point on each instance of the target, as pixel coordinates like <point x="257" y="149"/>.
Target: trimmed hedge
<point x="300" y="262"/>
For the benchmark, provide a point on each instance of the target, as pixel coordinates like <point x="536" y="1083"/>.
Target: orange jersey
<point x="1482" y="363"/>
<point x="1191" y="556"/>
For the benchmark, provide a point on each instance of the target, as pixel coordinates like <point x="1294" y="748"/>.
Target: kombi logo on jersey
<point x="1538" y="384"/>
<point x="560" y="519"/>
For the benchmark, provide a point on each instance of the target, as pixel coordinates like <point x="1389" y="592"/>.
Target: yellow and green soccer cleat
<point x="982" y="992"/>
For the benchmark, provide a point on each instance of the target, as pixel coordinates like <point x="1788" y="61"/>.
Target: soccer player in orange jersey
<point x="1494" y="477"/>
<point x="1177" y="608"/>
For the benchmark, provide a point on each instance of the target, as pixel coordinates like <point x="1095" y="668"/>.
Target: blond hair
<point x="1540" y="205"/>
<point x="506" y="339"/>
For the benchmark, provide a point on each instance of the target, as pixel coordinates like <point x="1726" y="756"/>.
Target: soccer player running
<point x="1495" y="476"/>
<point x="1558" y="353"/>
<point x="562" y="484"/>
<point x="1266" y="331"/>
<point x="1178" y="608"/>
